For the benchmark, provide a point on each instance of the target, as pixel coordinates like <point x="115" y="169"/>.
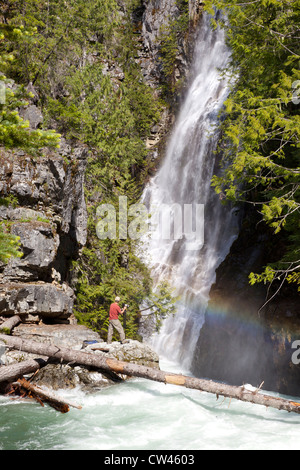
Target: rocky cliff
<point x="48" y="214"/>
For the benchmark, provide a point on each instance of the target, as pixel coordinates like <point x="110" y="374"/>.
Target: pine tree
<point x="261" y="127"/>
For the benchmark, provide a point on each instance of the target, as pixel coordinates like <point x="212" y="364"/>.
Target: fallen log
<point x="134" y="370"/>
<point x="14" y="371"/>
<point x="7" y="326"/>
<point x="41" y="395"/>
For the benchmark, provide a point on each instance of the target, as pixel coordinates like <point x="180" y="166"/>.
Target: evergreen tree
<point x="261" y="127"/>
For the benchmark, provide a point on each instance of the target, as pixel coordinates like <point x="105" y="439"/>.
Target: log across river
<point x="133" y="370"/>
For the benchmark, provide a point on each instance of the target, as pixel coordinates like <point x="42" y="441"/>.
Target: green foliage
<point x="9" y="245"/>
<point x="64" y="30"/>
<point x="110" y="267"/>
<point x="261" y="126"/>
<point x="14" y="131"/>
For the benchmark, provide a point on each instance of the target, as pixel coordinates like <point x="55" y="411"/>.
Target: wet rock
<point x="241" y="342"/>
<point x="78" y="337"/>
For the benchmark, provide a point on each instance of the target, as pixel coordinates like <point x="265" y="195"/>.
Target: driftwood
<point x="134" y="370"/>
<point x="13" y="371"/>
<point x="23" y="387"/>
<point x="7" y="326"/>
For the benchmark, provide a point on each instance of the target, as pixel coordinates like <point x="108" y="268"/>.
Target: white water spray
<point x="185" y="178"/>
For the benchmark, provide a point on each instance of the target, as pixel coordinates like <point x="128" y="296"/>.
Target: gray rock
<point x="2" y="353"/>
<point x="66" y="336"/>
<point x="32" y="114"/>
<point x="39" y="244"/>
<point x="77" y="337"/>
<point x="51" y="221"/>
<point x="131" y="351"/>
<point x="43" y="299"/>
<point x="50" y="183"/>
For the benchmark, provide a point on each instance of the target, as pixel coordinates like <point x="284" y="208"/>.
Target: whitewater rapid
<point x="145" y="415"/>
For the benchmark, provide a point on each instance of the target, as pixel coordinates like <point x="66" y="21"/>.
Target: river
<point x="144" y="415"/>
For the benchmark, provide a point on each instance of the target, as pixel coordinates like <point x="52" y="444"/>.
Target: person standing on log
<point x="114" y="322"/>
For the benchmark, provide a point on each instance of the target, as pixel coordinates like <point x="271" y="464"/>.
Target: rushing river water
<point x="145" y="415"/>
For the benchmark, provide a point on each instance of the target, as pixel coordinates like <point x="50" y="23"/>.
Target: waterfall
<point x="184" y="178"/>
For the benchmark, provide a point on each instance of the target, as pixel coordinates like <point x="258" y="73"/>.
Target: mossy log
<point x="7" y="326"/>
<point x="134" y="370"/>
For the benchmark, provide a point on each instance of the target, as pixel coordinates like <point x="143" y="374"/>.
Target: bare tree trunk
<point x="134" y="370"/>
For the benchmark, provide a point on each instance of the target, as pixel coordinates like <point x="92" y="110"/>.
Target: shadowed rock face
<point x="240" y="342"/>
<point x="50" y="219"/>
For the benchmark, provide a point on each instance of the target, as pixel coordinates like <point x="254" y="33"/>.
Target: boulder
<point x="32" y="114"/>
<point x="42" y="299"/>
<point x="131" y="351"/>
<point x="39" y="243"/>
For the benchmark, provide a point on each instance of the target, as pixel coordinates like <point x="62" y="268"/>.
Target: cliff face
<point x="51" y="220"/>
<point x="151" y="20"/>
<point x="153" y="17"/>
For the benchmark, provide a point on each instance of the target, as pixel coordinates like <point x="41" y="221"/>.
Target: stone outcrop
<point x="151" y="21"/>
<point x="48" y="214"/>
<point x="44" y="300"/>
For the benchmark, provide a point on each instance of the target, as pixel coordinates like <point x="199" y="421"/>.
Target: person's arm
<point x="123" y="309"/>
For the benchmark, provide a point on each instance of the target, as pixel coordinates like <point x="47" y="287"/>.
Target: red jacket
<point x="114" y="311"/>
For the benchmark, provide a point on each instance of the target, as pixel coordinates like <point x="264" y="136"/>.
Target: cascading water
<point x="185" y="179"/>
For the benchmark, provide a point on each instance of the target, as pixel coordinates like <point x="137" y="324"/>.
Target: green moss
<point x="5" y="331"/>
